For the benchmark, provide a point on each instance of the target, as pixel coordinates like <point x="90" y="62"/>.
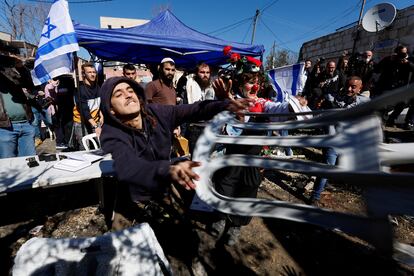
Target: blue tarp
<point x="163" y="36"/>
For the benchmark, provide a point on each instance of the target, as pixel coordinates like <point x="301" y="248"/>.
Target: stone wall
<point x="382" y="43"/>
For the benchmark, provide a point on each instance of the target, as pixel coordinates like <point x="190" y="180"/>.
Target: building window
<point x="122" y="27"/>
<point x="109" y="26"/>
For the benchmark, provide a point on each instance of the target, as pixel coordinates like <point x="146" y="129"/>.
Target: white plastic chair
<point x="358" y="140"/>
<point x="90" y="138"/>
<point x="131" y="251"/>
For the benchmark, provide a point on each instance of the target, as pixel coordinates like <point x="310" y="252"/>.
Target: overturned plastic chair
<point x="132" y="251"/>
<point x="364" y="161"/>
<point x="90" y="138"/>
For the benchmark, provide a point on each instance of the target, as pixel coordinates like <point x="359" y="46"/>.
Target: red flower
<point x="227" y="50"/>
<point x="235" y="57"/>
<point x="254" y="61"/>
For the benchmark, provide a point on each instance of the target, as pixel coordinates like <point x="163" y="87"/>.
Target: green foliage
<point x="280" y="58"/>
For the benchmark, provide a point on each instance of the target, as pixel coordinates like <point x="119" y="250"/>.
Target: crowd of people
<point x="353" y="80"/>
<point x="137" y="123"/>
<point x="327" y="79"/>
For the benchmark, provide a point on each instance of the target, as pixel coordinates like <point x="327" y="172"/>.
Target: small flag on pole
<point x="287" y="80"/>
<point x="57" y="43"/>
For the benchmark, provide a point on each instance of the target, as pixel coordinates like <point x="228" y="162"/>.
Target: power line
<point x="245" y="35"/>
<point x="228" y="30"/>
<point x="270" y="30"/>
<point x="286" y="22"/>
<point x="231" y="25"/>
<point x="277" y="38"/>
<point x="269" y="5"/>
<point x="72" y="1"/>
<point x="325" y="25"/>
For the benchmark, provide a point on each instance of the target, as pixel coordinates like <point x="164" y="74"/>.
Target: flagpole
<point x="75" y="66"/>
<point x="77" y="82"/>
<point x="358" y="29"/>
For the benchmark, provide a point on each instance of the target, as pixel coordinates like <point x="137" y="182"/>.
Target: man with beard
<point x="199" y="86"/>
<point x="161" y="91"/>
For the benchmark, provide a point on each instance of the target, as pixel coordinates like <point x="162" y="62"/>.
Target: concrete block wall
<point x="382" y="43"/>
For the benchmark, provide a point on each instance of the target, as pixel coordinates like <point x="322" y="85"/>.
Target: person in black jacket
<point x="397" y="71"/>
<point x="139" y="137"/>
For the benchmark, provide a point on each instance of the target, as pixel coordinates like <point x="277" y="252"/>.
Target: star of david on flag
<point x="57" y="43"/>
<point x="50" y="27"/>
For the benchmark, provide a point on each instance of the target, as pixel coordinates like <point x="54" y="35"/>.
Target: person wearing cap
<point x="161" y="90"/>
<point x="139" y="137"/>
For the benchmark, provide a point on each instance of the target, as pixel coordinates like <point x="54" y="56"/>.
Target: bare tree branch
<point x="23" y="20"/>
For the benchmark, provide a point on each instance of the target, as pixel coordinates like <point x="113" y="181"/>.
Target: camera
<point x="225" y="74"/>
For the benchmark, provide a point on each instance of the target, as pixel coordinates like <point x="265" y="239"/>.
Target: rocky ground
<point x="266" y="247"/>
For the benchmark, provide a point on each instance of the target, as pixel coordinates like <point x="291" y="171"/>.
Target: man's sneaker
<point x="316" y="203"/>
<point x="232" y="235"/>
<point x="61" y="146"/>
<point x="217" y="228"/>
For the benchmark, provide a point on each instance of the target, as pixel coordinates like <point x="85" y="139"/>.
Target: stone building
<point x="382" y="43"/>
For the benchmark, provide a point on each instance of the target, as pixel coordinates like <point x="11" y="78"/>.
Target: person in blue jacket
<point x="139" y="137"/>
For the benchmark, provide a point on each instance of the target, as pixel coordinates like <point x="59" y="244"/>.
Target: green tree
<point x="280" y="58"/>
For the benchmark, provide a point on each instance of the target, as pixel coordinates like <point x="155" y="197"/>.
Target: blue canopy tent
<point x="165" y="35"/>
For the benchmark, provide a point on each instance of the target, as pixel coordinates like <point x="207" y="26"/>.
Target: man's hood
<point x="106" y="94"/>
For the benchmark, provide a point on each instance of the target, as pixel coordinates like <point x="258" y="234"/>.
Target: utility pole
<point x="273" y="55"/>
<point x="358" y="26"/>
<point x="256" y="17"/>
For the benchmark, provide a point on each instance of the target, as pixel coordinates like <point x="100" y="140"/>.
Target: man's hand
<point x="98" y="131"/>
<point x="177" y="132"/>
<point x="183" y="174"/>
<point x="240" y="106"/>
<point x="222" y="90"/>
<point x="302" y="100"/>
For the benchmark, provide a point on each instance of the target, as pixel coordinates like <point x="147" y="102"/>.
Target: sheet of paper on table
<point x="77" y="161"/>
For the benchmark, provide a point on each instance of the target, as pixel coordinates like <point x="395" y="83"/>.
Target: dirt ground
<point x="266" y="247"/>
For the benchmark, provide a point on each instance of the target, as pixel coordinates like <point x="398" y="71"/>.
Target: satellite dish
<point x="379" y="17"/>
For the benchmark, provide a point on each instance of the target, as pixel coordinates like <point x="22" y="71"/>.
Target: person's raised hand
<point x="183" y="174"/>
<point x="222" y="90"/>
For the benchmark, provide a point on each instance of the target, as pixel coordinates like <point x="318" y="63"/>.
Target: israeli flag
<point x="57" y="43"/>
<point x="287" y="80"/>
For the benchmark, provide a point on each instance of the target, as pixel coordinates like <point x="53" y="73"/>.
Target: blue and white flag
<point x="287" y="80"/>
<point x="57" y="43"/>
